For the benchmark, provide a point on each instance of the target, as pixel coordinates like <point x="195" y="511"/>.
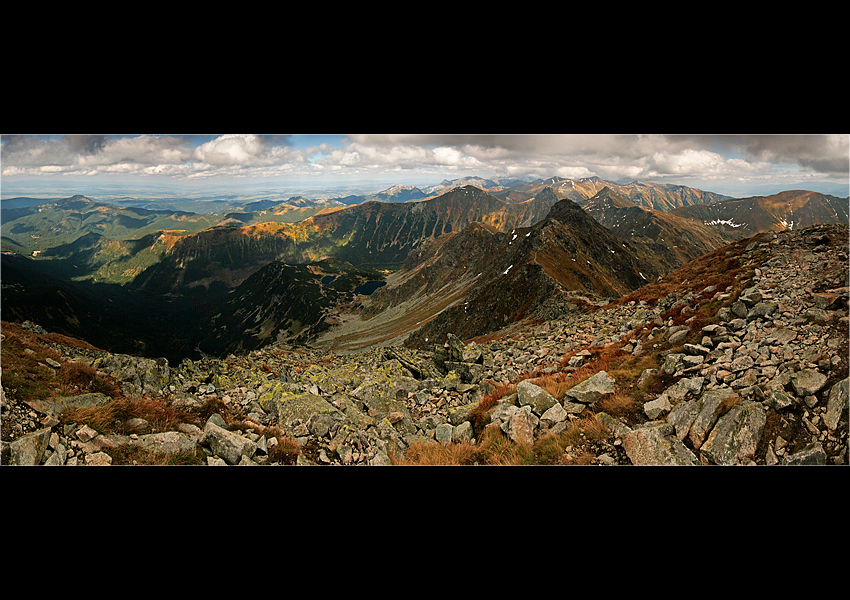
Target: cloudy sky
<point x="728" y="164"/>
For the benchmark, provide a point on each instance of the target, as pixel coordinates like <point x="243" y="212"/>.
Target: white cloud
<point x="613" y="157"/>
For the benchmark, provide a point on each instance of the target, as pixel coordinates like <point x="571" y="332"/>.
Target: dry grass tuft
<point x="109" y="418"/>
<point x="619" y="405"/>
<point x="494" y="448"/>
<point x="80" y="377"/>
<point x="552" y="448"/>
<point x="128" y="454"/>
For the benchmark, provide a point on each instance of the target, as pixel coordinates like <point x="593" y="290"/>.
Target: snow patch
<point x="729" y="222"/>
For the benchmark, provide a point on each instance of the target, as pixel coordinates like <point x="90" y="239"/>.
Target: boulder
<point x="226" y="444"/>
<point x="808" y="382"/>
<point x="28" y="450"/>
<point x="709" y="405"/>
<point x="592" y="389"/>
<point x="735" y="437"/>
<point x="812" y="454"/>
<point x="837" y="404"/>
<point x="535" y="396"/>
<point x="655" y="443"/>
<point x="521" y="426"/>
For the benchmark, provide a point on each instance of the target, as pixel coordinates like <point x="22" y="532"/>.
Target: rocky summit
<point x="739" y="357"/>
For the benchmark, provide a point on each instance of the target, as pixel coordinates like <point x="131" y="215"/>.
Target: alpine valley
<point x="252" y="295"/>
<point x="468" y="256"/>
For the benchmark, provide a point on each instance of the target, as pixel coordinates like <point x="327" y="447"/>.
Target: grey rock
<point x="29" y="449"/>
<point x="777" y="398"/>
<point x="57" y="405"/>
<point x="462" y="433"/>
<point x="443" y="433"/>
<point x="168" y="442"/>
<point x="813" y="454"/>
<point x="837" y="404"/>
<point x="735" y="437"/>
<point x="227" y="444"/>
<point x="672" y="363"/>
<point x="709" y="404"/>
<point x="555" y="414"/>
<point x="739" y="309"/>
<point x="592" y="389"/>
<point x="818" y="315"/>
<point x="521" y="428"/>
<point x="656" y="444"/>
<point x="535" y="396"/>
<point x="683" y="415"/>
<point x="760" y="310"/>
<point x="615" y="427"/>
<point x="678" y="336"/>
<point x="808" y="382"/>
<point x="655" y="408"/>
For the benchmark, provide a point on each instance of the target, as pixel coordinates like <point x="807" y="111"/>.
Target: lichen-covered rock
<point x="656" y="444"/>
<point x="227" y="445"/>
<point x="29" y="450"/>
<point x="734" y="439"/>
<point x="592" y="389"/>
<point x="535" y="396"/>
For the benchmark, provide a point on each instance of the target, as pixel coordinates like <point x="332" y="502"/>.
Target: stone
<point x="462" y="433"/>
<point x="678" y="337"/>
<point x="818" y="315"/>
<point x="443" y="433"/>
<point x="777" y="398"/>
<point x="98" y="459"/>
<point x="696" y="349"/>
<point x="655" y="408"/>
<point x="59" y="404"/>
<point x="656" y="444"/>
<point x="808" y="382"/>
<point x="761" y="310"/>
<point x="535" y="396"/>
<point x="735" y="437"/>
<point x="837" y="404"/>
<point x="709" y="404"/>
<point x="742" y="363"/>
<point x="167" y="442"/>
<point x="227" y="444"/>
<point x="672" y="363"/>
<point x="555" y="414"/>
<point x="86" y="433"/>
<point x="683" y="415"/>
<point x="782" y="336"/>
<point x="812" y="454"/>
<point x="29" y="449"/>
<point x="520" y="429"/>
<point x="592" y="389"/>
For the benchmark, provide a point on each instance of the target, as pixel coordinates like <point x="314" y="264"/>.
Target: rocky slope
<point x="739" y="357"/>
<point x="792" y="209"/>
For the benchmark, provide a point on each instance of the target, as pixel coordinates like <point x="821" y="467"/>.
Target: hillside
<point x="657" y="196"/>
<point x="794" y="209"/>
<point x="478" y="280"/>
<point x="737" y="358"/>
<point x="670" y="239"/>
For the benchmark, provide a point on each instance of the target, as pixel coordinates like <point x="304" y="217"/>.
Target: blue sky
<point x="731" y="164"/>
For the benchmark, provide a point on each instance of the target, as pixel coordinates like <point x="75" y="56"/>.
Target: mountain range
<point x="467" y="256"/>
